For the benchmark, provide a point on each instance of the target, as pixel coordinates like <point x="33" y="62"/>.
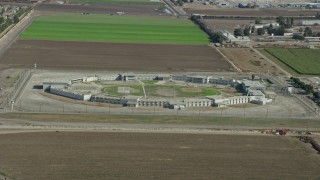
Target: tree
<point x="298" y="37"/>
<point x="217" y="37"/>
<point x="257" y="21"/>
<point x="238" y="32"/>
<point x="246" y="31"/>
<point x="307" y="32"/>
<point x="280" y="20"/>
<point x="291" y="21"/>
<point x="15" y="19"/>
<point x="261" y="31"/>
<point x="316" y="94"/>
<point x="280" y="31"/>
<point x="253" y="77"/>
<point x="318" y="15"/>
<point x="253" y="29"/>
<point x="180" y="2"/>
<point x="270" y="29"/>
<point x="301" y="29"/>
<point x="1" y="20"/>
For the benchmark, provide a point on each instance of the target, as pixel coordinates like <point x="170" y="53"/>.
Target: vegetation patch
<point x="255" y="62"/>
<point x="123" y="29"/>
<point x="302" y="61"/>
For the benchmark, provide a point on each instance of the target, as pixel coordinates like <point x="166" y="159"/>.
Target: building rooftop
<point x="249" y="83"/>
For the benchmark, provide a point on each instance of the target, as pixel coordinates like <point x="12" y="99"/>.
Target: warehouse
<point x="222" y="81"/>
<point x="252" y="85"/>
<point x="47" y="85"/>
<point x="198" y="102"/>
<point x="71" y="94"/>
<point x="106" y="99"/>
<point x="153" y="102"/>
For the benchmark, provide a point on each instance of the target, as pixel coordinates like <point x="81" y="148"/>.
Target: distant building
<point x="308" y="22"/>
<point x="252" y="85"/>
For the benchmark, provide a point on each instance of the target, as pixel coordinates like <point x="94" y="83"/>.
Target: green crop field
<point x="105" y="28"/>
<point x="141" y="2"/>
<point x="302" y="61"/>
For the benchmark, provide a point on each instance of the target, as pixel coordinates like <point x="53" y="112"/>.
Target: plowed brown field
<point x="101" y="8"/>
<point x="79" y="155"/>
<point x="115" y="56"/>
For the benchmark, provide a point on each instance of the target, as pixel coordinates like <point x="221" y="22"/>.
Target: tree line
<point x="307" y="87"/>
<point x="5" y="23"/>
<point x="215" y="37"/>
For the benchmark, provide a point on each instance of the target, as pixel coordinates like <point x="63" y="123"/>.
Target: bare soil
<point x="191" y="89"/>
<point x="164" y="91"/>
<point x="131" y="9"/>
<point x="225" y="24"/>
<point x="252" y="12"/>
<point x="80" y="155"/>
<point x="249" y="61"/>
<point x="114" y="56"/>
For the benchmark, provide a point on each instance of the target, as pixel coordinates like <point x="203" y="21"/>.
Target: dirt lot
<point x="79" y="155"/>
<point x="130" y="9"/>
<point x="253" y="12"/>
<point x="224" y="24"/>
<point x="146" y="57"/>
<point x="249" y="61"/>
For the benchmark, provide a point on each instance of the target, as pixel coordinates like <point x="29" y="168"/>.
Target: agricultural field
<point x="99" y="155"/>
<point x="302" y="61"/>
<point x="156" y="90"/>
<point x="105" y="8"/>
<point x="124" y="29"/>
<point x="144" y="2"/>
<point x="114" y="56"/>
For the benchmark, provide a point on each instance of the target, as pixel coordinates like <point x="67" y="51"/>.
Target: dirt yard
<point x="191" y="89"/>
<point x="249" y="61"/>
<point x="224" y="24"/>
<point x="252" y="12"/>
<point x="114" y="56"/>
<point x="80" y="155"/>
<point x="130" y="9"/>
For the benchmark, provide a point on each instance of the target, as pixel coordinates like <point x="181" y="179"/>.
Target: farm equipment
<point x="280" y="132"/>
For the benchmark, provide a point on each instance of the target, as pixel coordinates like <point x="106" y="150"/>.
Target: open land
<point x="223" y="24"/>
<point x="116" y="56"/>
<point x="34" y="120"/>
<point x="144" y="2"/>
<point x="153" y="90"/>
<point x="252" y="12"/>
<point x="104" y="28"/>
<point x="249" y="61"/>
<point x="76" y="155"/>
<point x="303" y="61"/>
<point x="131" y="9"/>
